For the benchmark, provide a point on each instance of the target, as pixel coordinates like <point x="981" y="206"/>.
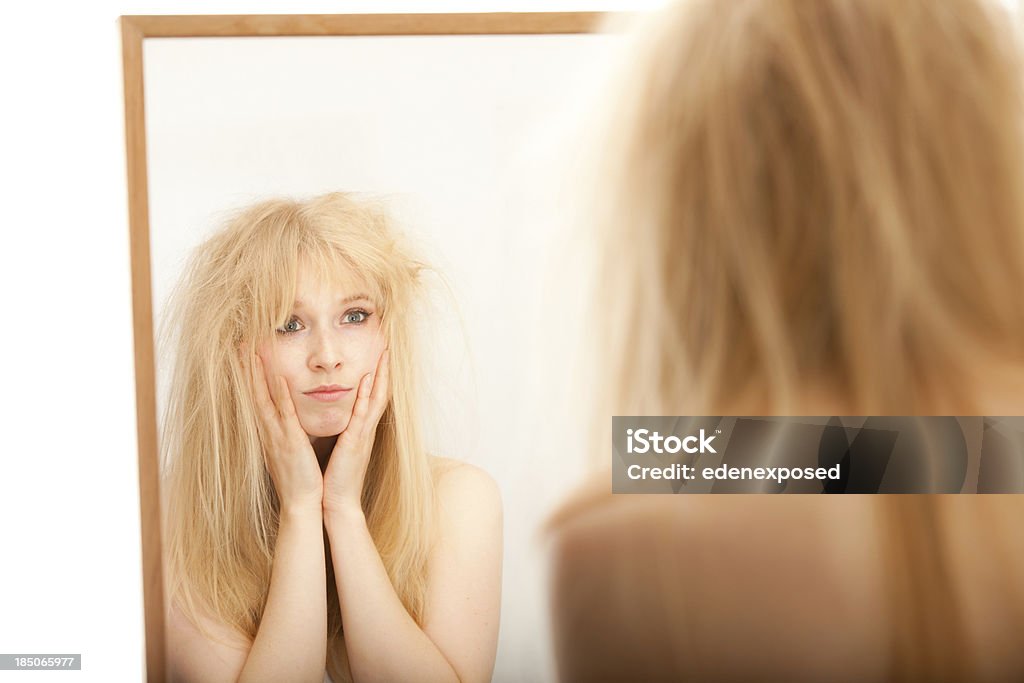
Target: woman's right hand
<point x="287" y="451"/>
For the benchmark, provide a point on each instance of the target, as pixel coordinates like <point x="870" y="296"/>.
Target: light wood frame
<point x="134" y="30"/>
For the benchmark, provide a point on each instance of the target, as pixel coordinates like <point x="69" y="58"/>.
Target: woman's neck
<point x="322" y="446"/>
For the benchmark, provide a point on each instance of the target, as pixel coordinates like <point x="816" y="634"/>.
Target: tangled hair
<point x="222" y="512"/>
<point x="817" y="194"/>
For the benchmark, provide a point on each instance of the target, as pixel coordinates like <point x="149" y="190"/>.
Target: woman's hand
<point x="346" y="469"/>
<point x="287" y="451"/>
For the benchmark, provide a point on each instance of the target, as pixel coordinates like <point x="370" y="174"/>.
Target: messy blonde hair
<point x="222" y="513"/>
<point x="816" y="194"/>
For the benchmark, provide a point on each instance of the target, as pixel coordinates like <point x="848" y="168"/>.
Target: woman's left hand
<point x="346" y="469"/>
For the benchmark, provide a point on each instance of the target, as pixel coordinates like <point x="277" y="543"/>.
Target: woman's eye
<point x="356" y="316"/>
<point x="291" y="326"/>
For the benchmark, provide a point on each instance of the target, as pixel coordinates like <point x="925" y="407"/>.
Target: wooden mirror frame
<point x="134" y="30"/>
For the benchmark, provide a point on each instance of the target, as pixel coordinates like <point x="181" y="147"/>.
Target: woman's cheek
<point x="365" y="344"/>
<point x="282" y="362"/>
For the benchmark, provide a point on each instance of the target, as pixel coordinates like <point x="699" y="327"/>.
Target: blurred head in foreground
<point x="812" y="207"/>
<point x="814" y="196"/>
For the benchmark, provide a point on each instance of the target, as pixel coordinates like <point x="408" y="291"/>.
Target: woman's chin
<point x="320" y="428"/>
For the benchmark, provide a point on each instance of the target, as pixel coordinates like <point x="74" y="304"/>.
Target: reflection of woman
<point x="382" y="563"/>
<point x="815" y="208"/>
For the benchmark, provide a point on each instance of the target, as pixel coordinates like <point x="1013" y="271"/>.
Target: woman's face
<point x="331" y="339"/>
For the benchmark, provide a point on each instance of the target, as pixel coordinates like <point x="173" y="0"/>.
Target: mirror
<point x="460" y="123"/>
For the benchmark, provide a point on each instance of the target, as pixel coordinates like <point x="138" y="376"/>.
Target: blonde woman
<point x="307" y="529"/>
<point x="814" y="207"/>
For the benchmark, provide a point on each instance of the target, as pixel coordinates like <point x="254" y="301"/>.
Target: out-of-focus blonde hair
<point x="815" y="195"/>
<point x="222" y="513"/>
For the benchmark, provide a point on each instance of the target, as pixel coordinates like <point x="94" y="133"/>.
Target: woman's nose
<point x="326" y="353"/>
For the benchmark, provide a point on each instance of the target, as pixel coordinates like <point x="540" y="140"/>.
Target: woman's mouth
<point x="330" y="392"/>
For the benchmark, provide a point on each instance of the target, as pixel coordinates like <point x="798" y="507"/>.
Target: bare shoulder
<point x="662" y="574"/>
<point x="791" y="539"/>
<point x="469" y="506"/>
<point x="462" y="487"/>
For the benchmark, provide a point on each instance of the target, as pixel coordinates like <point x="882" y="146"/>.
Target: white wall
<point x="70" y="576"/>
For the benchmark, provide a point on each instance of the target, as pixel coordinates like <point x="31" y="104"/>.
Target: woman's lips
<point x="332" y="393"/>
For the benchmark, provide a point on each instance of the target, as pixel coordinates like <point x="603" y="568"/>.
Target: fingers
<point x="371" y="398"/>
<point x="284" y="399"/>
<point x="381" y="385"/>
<point x="357" y="420"/>
<point x="362" y="397"/>
<point x="261" y="395"/>
<point x="278" y="393"/>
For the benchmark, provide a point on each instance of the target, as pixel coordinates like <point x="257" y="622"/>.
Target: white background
<point x="70" y="574"/>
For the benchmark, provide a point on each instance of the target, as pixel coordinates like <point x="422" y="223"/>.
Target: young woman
<point x="814" y="207"/>
<point x="306" y="527"/>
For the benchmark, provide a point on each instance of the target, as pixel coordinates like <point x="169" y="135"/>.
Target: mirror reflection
<point x="362" y="231"/>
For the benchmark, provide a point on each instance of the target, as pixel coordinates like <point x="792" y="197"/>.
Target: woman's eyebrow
<point x="347" y="300"/>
